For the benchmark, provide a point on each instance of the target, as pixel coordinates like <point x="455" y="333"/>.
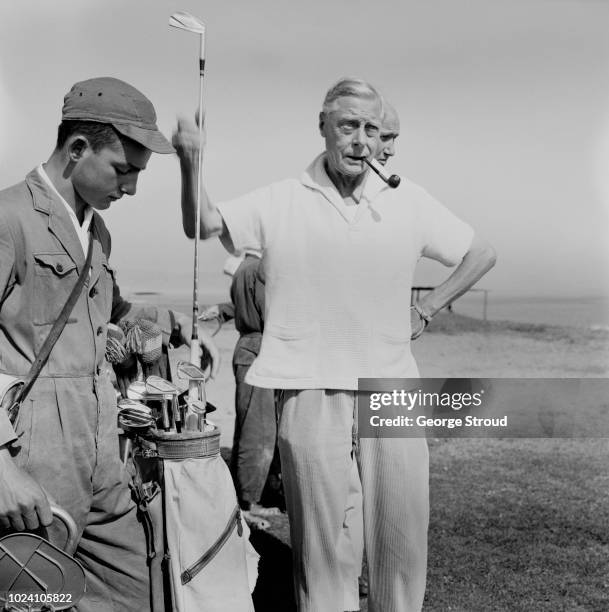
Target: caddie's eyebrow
<point x="129" y="167"/>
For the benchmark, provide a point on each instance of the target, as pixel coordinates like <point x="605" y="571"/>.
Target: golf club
<point x="185" y="21"/>
<point x="393" y="181"/>
<point x="194" y="405"/>
<point x="169" y="392"/>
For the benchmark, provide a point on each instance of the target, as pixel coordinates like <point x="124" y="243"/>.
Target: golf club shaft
<point x="195" y="353"/>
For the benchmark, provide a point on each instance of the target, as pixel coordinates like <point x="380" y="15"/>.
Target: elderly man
<point x="64" y="444"/>
<point x="340" y="248"/>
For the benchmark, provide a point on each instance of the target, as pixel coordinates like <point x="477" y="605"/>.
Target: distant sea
<point x="590" y="312"/>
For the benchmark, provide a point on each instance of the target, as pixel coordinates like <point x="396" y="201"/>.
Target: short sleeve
<point x="444" y="237"/>
<point x="247" y="217"/>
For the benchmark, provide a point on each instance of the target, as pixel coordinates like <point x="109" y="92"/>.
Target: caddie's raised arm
<point x="186" y="143"/>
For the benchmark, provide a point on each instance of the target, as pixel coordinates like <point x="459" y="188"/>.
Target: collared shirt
<point x="82" y="231"/>
<point x="338" y="286"/>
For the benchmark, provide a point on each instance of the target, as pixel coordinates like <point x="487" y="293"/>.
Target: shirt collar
<point x="316" y="177"/>
<point x="88" y="210"/>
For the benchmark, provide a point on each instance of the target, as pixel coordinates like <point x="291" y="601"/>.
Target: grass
<point x="516" y="525"/>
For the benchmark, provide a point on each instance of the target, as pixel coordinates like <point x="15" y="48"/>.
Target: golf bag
<point x="199" y="553"/>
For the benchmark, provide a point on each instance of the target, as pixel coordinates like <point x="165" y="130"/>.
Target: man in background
<point x="390" y="130"/>
<point x="254" y="456"/>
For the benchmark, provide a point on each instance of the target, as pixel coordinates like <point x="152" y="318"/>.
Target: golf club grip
<point x="72" y="531"/>
<point x="202" y="54"/>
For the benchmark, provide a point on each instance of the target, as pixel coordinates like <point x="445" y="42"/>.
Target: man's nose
<point x="129" y="186"/>
<point x="359" y="136"/>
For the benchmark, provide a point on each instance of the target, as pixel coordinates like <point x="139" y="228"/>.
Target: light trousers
<point x="333" y="507"/>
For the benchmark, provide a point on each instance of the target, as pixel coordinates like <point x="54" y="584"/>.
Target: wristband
<point x="426" y="317"/>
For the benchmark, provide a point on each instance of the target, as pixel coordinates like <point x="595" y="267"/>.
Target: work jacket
<point x="40" y="260"/>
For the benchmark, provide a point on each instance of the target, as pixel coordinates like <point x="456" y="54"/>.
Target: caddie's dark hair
<point x="99" y="135"/>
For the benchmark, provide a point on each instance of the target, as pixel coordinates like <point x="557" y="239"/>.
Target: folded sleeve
<point x="444" y="237"/>
<point x="247" y="218"/>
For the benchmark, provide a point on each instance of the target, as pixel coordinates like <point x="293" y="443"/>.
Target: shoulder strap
<point x="58" y="326"/>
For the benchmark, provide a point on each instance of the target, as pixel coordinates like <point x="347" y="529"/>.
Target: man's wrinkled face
<point x="390" y="130"/>
<point x="102" y="177"/>
<point x="351" y="130"/>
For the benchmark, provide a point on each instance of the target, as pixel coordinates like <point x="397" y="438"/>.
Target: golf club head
<point x="189" y="371"/>
<point x="155" y="385"/>
<point x="134" y="415"/>
<point x="137" y="390"/>
<point x="185" y="21"/>
<point x="197" y="406"/>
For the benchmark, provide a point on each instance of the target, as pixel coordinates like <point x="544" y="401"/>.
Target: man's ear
<point x="76" y="147"/>
<point x="322" y="121"/>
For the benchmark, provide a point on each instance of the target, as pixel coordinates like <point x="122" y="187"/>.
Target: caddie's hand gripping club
<point x="185" y="21"/>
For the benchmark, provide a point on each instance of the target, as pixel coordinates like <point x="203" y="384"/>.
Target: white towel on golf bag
<point x="199" y="500"/>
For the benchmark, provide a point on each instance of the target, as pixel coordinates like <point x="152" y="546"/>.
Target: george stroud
<point x="448" y="423"/>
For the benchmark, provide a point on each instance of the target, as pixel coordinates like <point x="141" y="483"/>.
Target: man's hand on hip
<point x="418" y="321"/>
<point x="23" y="503"/>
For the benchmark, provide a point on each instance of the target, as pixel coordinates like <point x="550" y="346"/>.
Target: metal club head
<point x="137" y="390"/>
<point x="185" y="21"/>
<point x="190" y="371"/>
<point x="134" y="415"/>
<point x="155" y="385"/>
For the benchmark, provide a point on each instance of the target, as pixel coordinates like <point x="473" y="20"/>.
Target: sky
<point x="504" y="109"/>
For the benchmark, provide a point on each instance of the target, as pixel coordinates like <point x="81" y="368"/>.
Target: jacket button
<point x="100" y="330"/>
<point x="93" y="292"/>
<point x="59" y="268"/>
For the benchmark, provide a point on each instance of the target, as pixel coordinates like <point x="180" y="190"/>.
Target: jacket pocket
<point x="55" y="276"/>
<point x="53" y="264"/>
